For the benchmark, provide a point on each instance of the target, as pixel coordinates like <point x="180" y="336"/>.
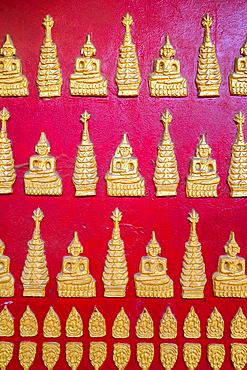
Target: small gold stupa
<point x="7" y="281"/>
<point x="238" y="79"/>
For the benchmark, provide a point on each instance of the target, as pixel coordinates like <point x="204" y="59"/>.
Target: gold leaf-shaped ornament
<point x="215" y="325"/>
<point x="27" y="353"/>
<point x="215" y="355"/>
<point x="74" y="353"/>
<point x="97" y="354"/>
<point x="50" y="354"/>
<point x="144" y="325"/>
<point x="121" y="325"/>
<point x="28" y="324"/>
<point x="168" y="325"/>
<point x="74" y="324"/>
<point x="168" y="355"/>
<point x="121" y="355"/>
<point x="96" y="325"/>
<point x="6" y="351"/>
<point x="6" y="323"/>
<point x="144" y="355"/>
<point x="238" y="355"/>
<point x="191" y="327"/>
<point x="192" y="355"/>
<point x="51" y="326"/>
<point x="238" y="327"/>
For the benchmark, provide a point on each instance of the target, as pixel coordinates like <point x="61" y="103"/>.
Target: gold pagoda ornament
<point x="27" y="353"/>
<point x="152" y="280"/>
<point x="96" y="325"/>
<point x="6" y="323"/>
<point x="128" y="76"/>
<point x="51" y="326"/>
<point x="144" y="325"/>
<point x="115" y="275"/>
<point x="42" y="178"/>
<point x="230" y="279"/>
<point x="12" y="81"/>
<point x="193" y="278"/>
<point x="121" y="355"/>
<point x="85" y="177"/>
<point x="7" y="281"/>
<point x="145" y="355"/>
<point x="7" y="169"/>
<point x="74" y="324"/>
<point x="238" y="327"/>
<point x="6" y="351"/>
<point x="35" y="273"/>
<point x="238" y="355"/>
<point x="74" y="353"/>
<point x="192" y="327"/>
<point x="87" y="79"/>
<point x="238" y="79"/>
<point x="208" y="77"/>
<point x="50" y="354"/>
<point x="166" y="79"/>
<point x="97" y="354"/>
<point x="168" y="325"/>
<point x="121" y="325"/>
<point x="28" y="324"/>
<point x="237" y="176"/>
<point x="192" y="354"/>
<point x="216" y="355"/>
<point x="49" y="79"/>
<point x="215" y="325"/>
<point x="168" y="355"/>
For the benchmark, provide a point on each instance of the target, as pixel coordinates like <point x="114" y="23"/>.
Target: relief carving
<point x="74" y="324"/>
<point x="74" y="353"/>
<point x="215" y="355"/>
<point x="50" y="354"/>
<point x="27" y="353"/>
<point x="6" y="354"/>
<point x="7" y="281"/>
<point x="168" y="355"/>
<point x="121" y="325"/>
<point x="145" y="325"/>
<point x="238" y="355"/>
<point x="145" y="355"/>
<point x="191" y="327"/>
<point x="28" y="324"/>
<point x="192" y="355"/>
<point x="96" y="325"/>
<point x="168" y="325"/>
<point x="6" y="323"/>
<point x="238" y="79"/>
<point x="215" y="325"/>
<point x="51" y="326"/>
<point x="238" y="327"/>
<point x="121" y="355"/>
<point x="97" y="354"/>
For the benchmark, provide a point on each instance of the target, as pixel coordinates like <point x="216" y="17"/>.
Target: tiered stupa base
<point x="114" y="291"/>
<point x="80" y="290"/>
<point x="195" y="190"/>
<point x="15" y="89"/>
<point x="85" y="190"/>
<point x="50" y="92"/>
<point x="88" y="89"/>
<point x="7" y="289"/>
<point x="128" y="90"/>
<point x="238" y="85"/>
<point x="166" y="190"/>
<point x="6" y="188"/>
<point x="168" y="88"/>
<point x="193" y="293"/>
<point x="117" y="189"/>
<point x="154" y="290"/>
<point x="229" y="289"/>
<point x="208" y="91"/>
<point x="239" y="192"/>
<point x="33" y="290"/>
<point x="46" y="188"/>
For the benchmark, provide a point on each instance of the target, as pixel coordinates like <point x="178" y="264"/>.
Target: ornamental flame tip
<point x="116" y="216"/>
<point x="207" y="21"/>
<point x="85" y="117"/>
<point x="239" y="119"/>
<point x="127" y="21"/>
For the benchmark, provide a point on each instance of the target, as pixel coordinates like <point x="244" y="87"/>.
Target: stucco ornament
<point x="144" y="325"/>
<point x="6" y="351"/>
<point x="215" y="325"/>
<point x="27" y="353"/>
<point x="121" y="355"/>
<point x="7" y="282"/>
<point x="6" y="323"/>
<point x="168" y="355"/>
<point x="50" y="354"/>
<point x="145" y="355"/>
<point x="74" y="353"/>
<point x="215" y="355"/>
<point x="192" y="327"/>
<point x="97" y="354"/>
<point x="192" y="355"/>
<point x="238" y="79"/>
<point x="121" y="325"/>
<point x="74" y="324"/>
<point x="168" y="325"/>
<point x="51" y="326"/>
<point x="238" y="355"/>
<point x="96" y="325"/>
<point x="238" y="327"/>
<point x="28" y="324"/>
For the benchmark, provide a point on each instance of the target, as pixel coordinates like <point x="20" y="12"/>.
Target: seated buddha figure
<point x="42" y="178"/>
<point x="6" y="279"/>
<point x="123" y="178"/>
<point x="87" y="79"/>
<point x="230" y="279"/>
<point x="12" y="81"/>
<point x="152" y="280"/>
<point x="238" y="79"/>
<point x="74" y="280"/>
<point x="166" y="79"/>
<point x="203" y="180"/>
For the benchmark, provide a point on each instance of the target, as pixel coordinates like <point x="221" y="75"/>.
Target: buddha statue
<point x="152" y="280"/>
<point x="203" y="180"/>
<point x="74" y="280"/>
<point x="123" y="178"/>
<point x="12" y="81"/>
<point x="42" y="178"/>
<point x="6" y="279"/>
<point x="230" y="279"/>
<point x="166" y="79"/>
<point x="87" y="79"/>
<point x="238" y="79"/>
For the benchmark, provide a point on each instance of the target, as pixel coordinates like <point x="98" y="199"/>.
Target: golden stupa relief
<point x="74" y="324"/>
<point x="193" y="278"/>
<point x="74" y="353"/>
<point x="115" y="275"/>
<point x="85" y="176"/>
<point x="216" y="355"/>
<point x="238" y="355"/>
<point x="192" y="355"/>
<point x="208" y="77"/>
<point x="51" y="326"/>
<point x="42" y="178"/>
<point x="7" y="169"/>
<point x="128" y="76"/>
<point x="152" y="280"/>
<point x="6" y="323"/>
<point x="166" y="79"/>
<point x="87" y="79"/>
<point x="215" y="325"/>
<point x="28" y="324"/>
<point x="238" y="327"/>
<point x="230" y="279"/>
<point x="238" y="79"/>
<point x="192" y="327"/>
<point x="168" y="355"/>
<point x="123" y="179"/>
<point x="74" y="280"/>
<point x="96" y="325"/>
<point x="121" y="355"/>
<point x="50" y="354"/>
<point x="97" y="354"/>
<point x="7" y="281"/>
<point x="12" y="81"/>
<point x="121" y="325"/>
<point x="6" y="351"/>
<point x="27" y="353"/>
<point x="166" y="177"/>
<point x="49" y="79"/>
<point x="144" y="325"/>
<point x="144" y="355"/>
<point x="168" y="325"/>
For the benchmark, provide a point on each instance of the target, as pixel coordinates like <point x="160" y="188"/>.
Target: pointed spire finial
<point x="4" y="116"/>
<point x="84" y="119"/>
<point x="116" y="217"/>
<point x="38" y="216"/>
<point x="127" y="21"/>
<point x="206" y="24"/>
<point x="193" y="219"/>
<point x="166" y="119"/>
<point x="239" y="119"/>
<point x="48" y="24"/>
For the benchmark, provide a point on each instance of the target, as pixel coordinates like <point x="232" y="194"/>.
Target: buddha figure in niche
<point x="230" y="279"/>
<point x="152" y="280"/>
<point x="87" y="79"/>
<point x="203" y="180"/>
<point x="42" y="178"/>
<point x="238" y="79"/>
<point x="74" y="280"/>
<point x="6" y="279"/>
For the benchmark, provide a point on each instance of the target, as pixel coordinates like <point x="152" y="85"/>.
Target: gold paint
<point x="85" y="173"/>
<point x="145" y="325"/>
<point x="74" y="280"/>
<point x="74" y="353"/>
<point x="27" y="353"/>
<point x="12" y="81"/>
<point x="191" y="327"/>
<point x="193" y="278"/>
<point x="230" y="279"/>
<point x="7" y="281"/>
<point x="168" y="355"/>
<point x="192" y="355"/>
<point x="152" y="280"/>
<point x="215" y="325"/>
<point x="87" y="79"/>
<point x="121" y="355"/>
<point x="208" y="78"/>
<point x="238" y="327"/>
<point x="238" y="79"/>
<point x="115" y="275"/>
<point x="168" y="325"/>
<point x="97" y="354"/>
<point x="42" y="178"/>
<point x="128" y="76"/>
<point x="121" y="325"/>
<point x="96" y="325"/>
<point x="7" y="169"/>
<point x="28" y="324"/>
<point x="74" y="324"/>
<point x="50" y="354"/>
<point x="6" y="323"/>
<point x="238" y="355"/>
<point x="6" y="354"/>
<point x="35" y="273"/>
<point x="237" y="177"/>
<point x="145" y="355"/>
<point x="166" y="79"/>
<point x="49" y="79"/>
<point x="216" y="355"/>
<point x="123" y="179"/>
<point x="51" y="326"/>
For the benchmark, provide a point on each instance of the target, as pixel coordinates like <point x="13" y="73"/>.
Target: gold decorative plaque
<point x="6" y="351"/>
<point x="96" y="325"/>
<point x="215" y="325"/>
<point x="50" y="354"/>
<point x="238" y="327"/>
<point x="27" y="353"/>
<point x="168" y="355"/>
<point x="121" y="325"/>
<point x="74" y="353"/>
<point x="168" y="325"/>
<point x="49" y="79"/>
<point x="85" y="175"/>
<point x="145" y="355"/>
<point x="208" y="78"/>
<point x="74" y="324"/>
<point x="51" y="326"/>
<point x="28" y="324"/>
<point x="12" y="81"/>
<point x="216" y="355"/>
<point x="145" y="325"/>
<point x="97" y="354"/>
<point x="121" y="355"/>
<point x="6" y="323"/>
<point x="191" y="327"/>
<point x="123" y="179"/>
<point x="238" y="355"/>
<point x="238" y="79"/>
<point x="128" y="76"/>
<point x="193" y="278"/>
<point x="7" y="281"/>
<point x="192" y="355"/>
<point x="115" y="275"/>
